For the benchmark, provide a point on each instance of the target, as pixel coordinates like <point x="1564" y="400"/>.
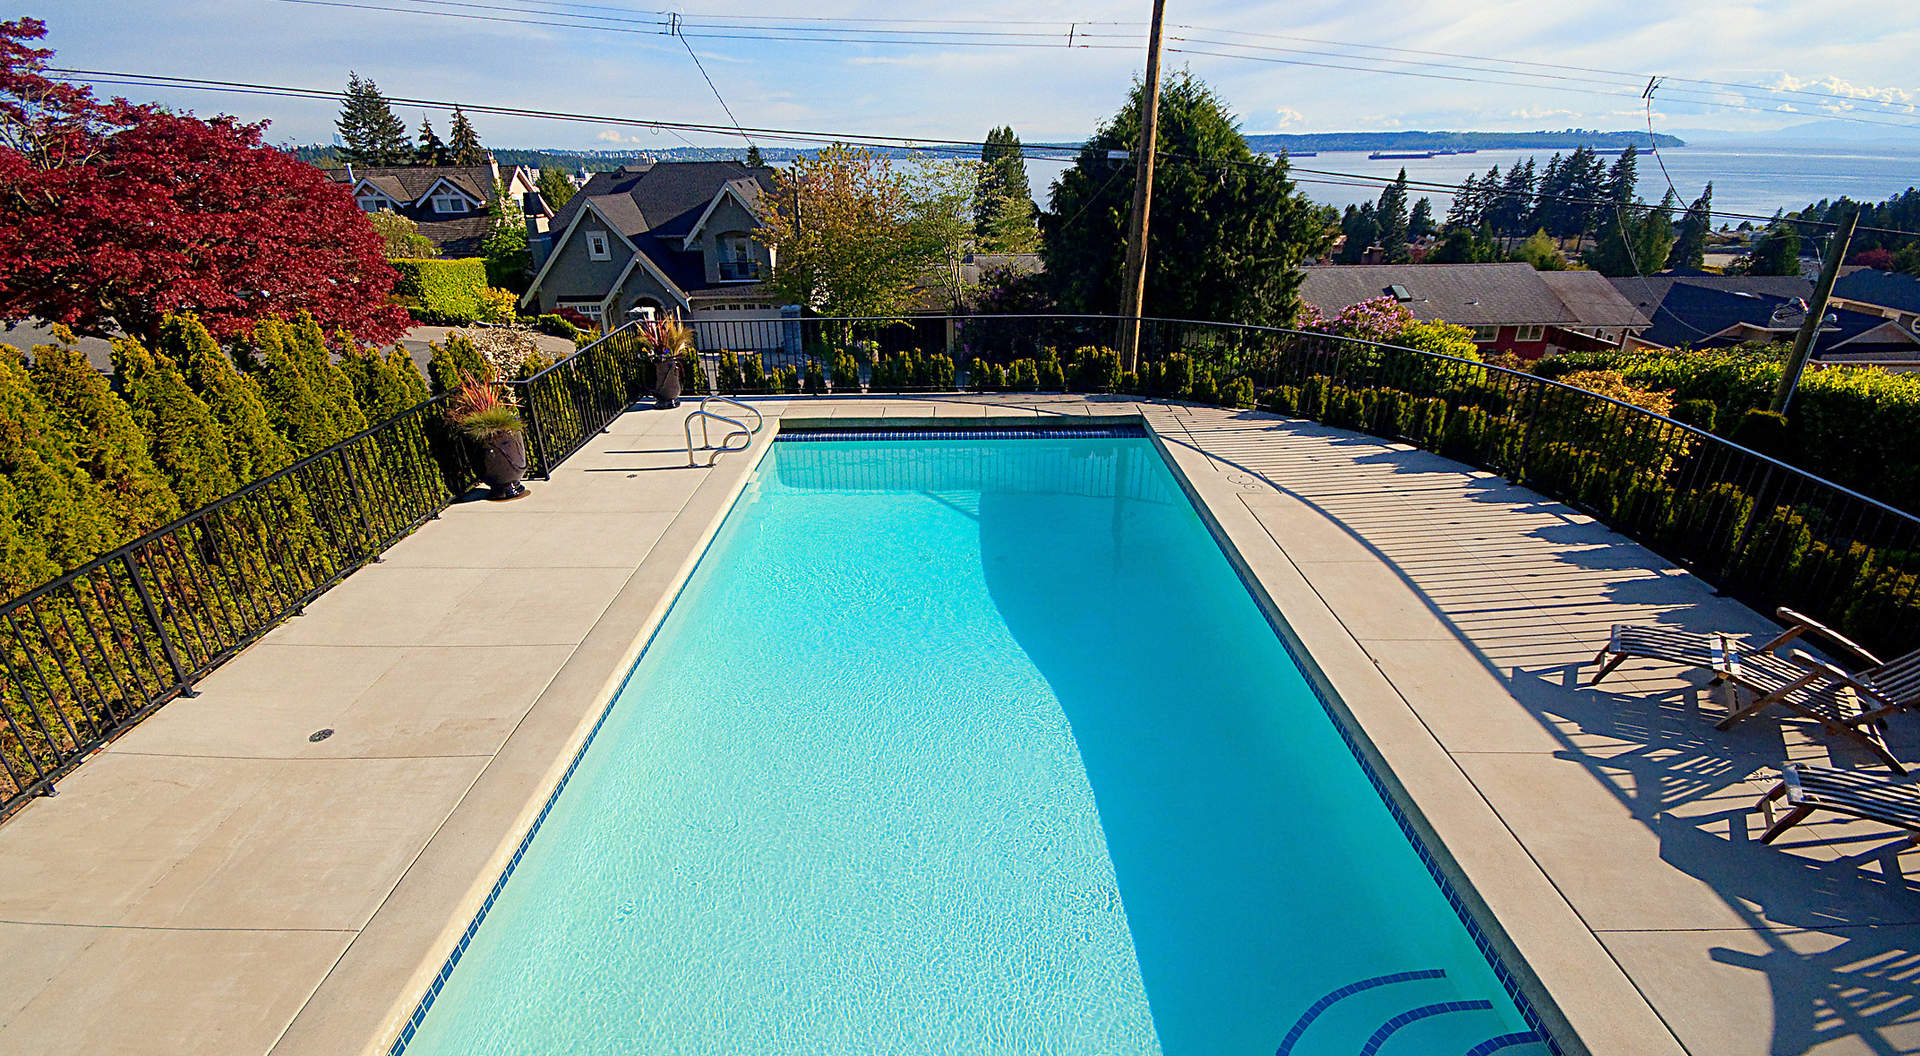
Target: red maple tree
<point x="113" y="215"/>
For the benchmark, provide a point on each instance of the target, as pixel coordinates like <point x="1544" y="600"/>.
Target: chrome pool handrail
<point x="739" y="429"/>
<point x="758" y="421"/>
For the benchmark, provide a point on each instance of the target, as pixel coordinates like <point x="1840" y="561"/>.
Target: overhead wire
<point x="1044" y="152"/>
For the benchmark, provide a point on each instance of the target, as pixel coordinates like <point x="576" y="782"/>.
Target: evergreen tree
<point x="105" y="438"/>
<point x="1229" y="231"/>
<point x="185" y="440"/>
<point x="1464" y="245"/>
<point x="1361" y="225"/>
<point x="305" y="401"/>
<point x="463" y="143"/>
<point x="1586" y="183"/>
<point x="508" y="260"/>
<point x="1777" y="250"/>
<point x="1690" y="248"/>
<point x="1637" y="242"/>
<point x="384" y="383"/>
<point x="1003" y="217"/>
<point x="555" y="187"/>
<point x="52" y="516"/>
<point x="1391" y="215"/>
<point x="371" y="133"/>
<point x="1420" y="223"/>
<point x="454" y="362"/>
<point x="254" y="448"/>
<point x="1466" y="208"/>
<point x="1514" y="208"/>
<point x="754" y="160"/>
<point x="430" y="150"/>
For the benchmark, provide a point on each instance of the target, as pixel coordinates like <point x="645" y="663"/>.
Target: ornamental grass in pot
<point x="665" y="341"/>
<point x="482" y="414"/>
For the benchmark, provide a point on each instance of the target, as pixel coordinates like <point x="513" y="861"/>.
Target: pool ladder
<point x="735" y="427"/>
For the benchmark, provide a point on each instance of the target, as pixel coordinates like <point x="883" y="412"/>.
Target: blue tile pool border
<point x="983" y="432"/>
<point x="1281" y="631"/>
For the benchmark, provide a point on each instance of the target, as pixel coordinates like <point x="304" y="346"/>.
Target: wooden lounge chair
<point x="1714" y="652"/>
<point x="1850" y="703"/>
<point x="1892" y="800"/>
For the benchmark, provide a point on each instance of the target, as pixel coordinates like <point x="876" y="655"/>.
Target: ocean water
<point x="975" y="747"/>
<point x="1758" y="179"/>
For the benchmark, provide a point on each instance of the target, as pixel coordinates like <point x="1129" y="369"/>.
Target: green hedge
<point x="442" y="292"/>
<point x="1759" y="539"/>
<point x="1847" y="424"/>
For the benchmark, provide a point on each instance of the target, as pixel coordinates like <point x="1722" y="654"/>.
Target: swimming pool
<point x="968" y="745"/>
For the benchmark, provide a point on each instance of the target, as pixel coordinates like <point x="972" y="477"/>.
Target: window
<point x="449" y="203"/>
<point x="1484" y="334"/>
<point x="736" y="258"/>
<point x="589" y="309"/>
<point x="597" y="246"/>
<point x="373" y="203"/>
<point x="1530" y="333"/>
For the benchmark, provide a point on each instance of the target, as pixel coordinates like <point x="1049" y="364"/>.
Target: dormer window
<point x="597" y="246"/>
<point x="449" y="204"/>
<point x="373" y="203"/>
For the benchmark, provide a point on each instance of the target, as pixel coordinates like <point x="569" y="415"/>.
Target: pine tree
<point x="1465" y="210"/>
<point x="463" y="142"/>
<point x="754" y="159"/>
<point x="1392" y="218"/>
<point x="1003" y="212"/>
<point x="1690" y="248"/>
<point x="105" y="438"/>
<point x="555" y="187"/>
<point x="1362" y="228"/>
<point x="254" y="448"/>
<point x="430" y="150"/>
<point x="371" y="133"/>
<point x="185" y="440"/>
<point x="1420" y="222"/>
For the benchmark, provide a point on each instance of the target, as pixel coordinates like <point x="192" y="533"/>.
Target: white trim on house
<point x="1888" y="328"/>
<point x="561" y="243"/>
<point x="725" y="189"/>
<point x="659" y="276"/>
<point x="599" y="246"/>
<point x="449" y="185"/>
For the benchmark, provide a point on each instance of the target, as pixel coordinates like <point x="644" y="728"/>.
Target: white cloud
<point x="1542" y="113"/>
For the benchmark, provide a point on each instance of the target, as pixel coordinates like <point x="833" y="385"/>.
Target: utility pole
<point x="1816" y="313"/>
<point x="1134" y="292"/>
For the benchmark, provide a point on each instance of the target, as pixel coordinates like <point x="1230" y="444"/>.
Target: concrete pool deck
<point x="216" y="882"/>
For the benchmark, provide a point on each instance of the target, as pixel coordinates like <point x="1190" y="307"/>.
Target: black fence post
<point x="159" y="625"/>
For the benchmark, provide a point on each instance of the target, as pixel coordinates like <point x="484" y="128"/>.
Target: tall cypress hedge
<point x="384" y="383"/>
<point x="254" y="448"/>
<point x="52" y="516"/>
<point x="105" y="438"/>
<point x="185" y="439"/>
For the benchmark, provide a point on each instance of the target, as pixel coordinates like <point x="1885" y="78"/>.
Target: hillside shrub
<point x="846" y="373"/>
<point x="1052" y="373"/>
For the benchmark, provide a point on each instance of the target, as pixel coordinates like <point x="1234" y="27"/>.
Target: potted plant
<point x="493" y="431"/>
<point x="666" y="340"/>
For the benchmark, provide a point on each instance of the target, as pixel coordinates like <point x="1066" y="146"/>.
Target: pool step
<point x="1386" y="1030"/>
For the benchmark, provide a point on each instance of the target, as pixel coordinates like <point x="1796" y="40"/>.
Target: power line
<point x="713" y="87"/>
<point x="863" y="31"/>
<point x="917" y="144"/>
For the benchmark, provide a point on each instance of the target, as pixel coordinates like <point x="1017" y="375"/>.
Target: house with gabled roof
<point x="1718" y="311"/>
<point x="449" y="202"/>
<point x="1510" y="307"/>
<point x="674" y="237"/>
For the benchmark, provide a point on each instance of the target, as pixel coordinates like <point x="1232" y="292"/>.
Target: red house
<point x="1509" y="307"/>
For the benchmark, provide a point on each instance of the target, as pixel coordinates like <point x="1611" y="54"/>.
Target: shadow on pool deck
<point x="1816" y="933"/>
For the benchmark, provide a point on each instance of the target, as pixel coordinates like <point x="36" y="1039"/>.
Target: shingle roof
<point x="1687" y="311"/>
<point x="1593" y="299"/>
<point x="1888" y="289"/>
<point x="664" y="199"/>
<point x="408" y="183"/>
<point x="1466" y="294"/>
<point x="457" y="238"/>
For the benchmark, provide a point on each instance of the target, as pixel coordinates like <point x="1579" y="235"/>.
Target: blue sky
<point x="1861" y="48"/>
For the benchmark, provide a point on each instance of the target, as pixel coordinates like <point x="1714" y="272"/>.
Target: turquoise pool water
<point x="969" y="746"/>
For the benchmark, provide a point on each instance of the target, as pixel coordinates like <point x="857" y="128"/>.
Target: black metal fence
<point x="94" y="651"/>
<point x="86" y="655"/>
